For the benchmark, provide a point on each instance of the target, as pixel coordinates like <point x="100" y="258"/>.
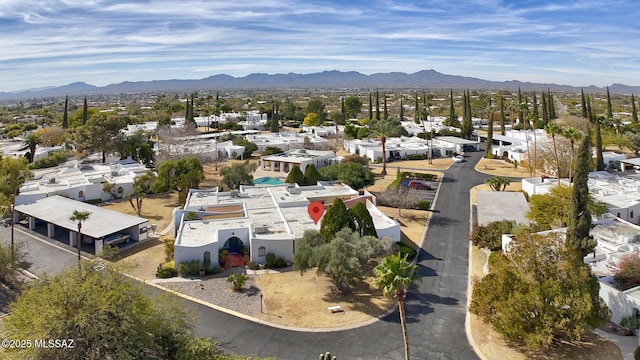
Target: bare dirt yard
<point x="497" y="167"/>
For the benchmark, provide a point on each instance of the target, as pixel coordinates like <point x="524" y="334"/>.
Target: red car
<point x="417" y="184"/>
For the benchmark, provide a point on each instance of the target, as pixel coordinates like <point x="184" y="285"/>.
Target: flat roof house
<point x="263" y="219"/>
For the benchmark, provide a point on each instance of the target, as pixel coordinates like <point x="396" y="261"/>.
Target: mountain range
<point x="425" y="79"/>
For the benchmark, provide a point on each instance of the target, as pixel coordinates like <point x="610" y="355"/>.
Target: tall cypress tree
<point x="503" y="118"/>
<point x="85" y="110"/>
<point x="466" y="127"/>
<point x="275" y="126"/>
<point x="453" y="119"/>
<point x="634" y="112"/>
<point x="534" y="104"/>
<point x="585" y="114"/>
<point x="370" y="106"/>
<point x="599" y="158"/>
<point x="552" y="107"/>
<point x="489" y="130"/>
<point x="579" y="222"/>
<point x="545" y="110"/>
<point x="386" y="114"/>
<point x="609" y="109"/>
<point x="401" y="111"/>
<point x="377" y="105"/>
<point x="65" y="121"/>
<point x="521" y="109"/>
<point x="416" y="115"/>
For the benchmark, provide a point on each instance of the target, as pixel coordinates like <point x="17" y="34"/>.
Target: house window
<point x="81" y="194"/>
<point x="618" y="215"/>
<point x="262" y="251"/>
<point x="631" y="215"/>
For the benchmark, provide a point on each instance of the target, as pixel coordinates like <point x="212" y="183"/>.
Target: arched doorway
<point x="234" y="245"/>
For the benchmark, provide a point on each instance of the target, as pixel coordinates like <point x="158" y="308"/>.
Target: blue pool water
<point x="267" y="181"/>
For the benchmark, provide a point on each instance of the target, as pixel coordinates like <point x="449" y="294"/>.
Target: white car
<point x="458" y="158"/>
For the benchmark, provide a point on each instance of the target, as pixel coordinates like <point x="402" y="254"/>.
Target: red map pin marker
<point x="316" y="210"/>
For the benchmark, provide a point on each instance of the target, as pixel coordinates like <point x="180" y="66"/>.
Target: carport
<point x="51" y="216"/>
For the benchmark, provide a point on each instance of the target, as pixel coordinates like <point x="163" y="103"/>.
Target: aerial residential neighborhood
<point x="332" y="180"/>
<point x="201" y="212"/>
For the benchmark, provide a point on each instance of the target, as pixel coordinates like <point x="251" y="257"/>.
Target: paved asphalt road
<point x="436" y="309"/>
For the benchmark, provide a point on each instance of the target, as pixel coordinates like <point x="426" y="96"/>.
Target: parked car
<point x="116" y="239"/>
<point x="417" y="184"/>
<point x="458" y="158"/>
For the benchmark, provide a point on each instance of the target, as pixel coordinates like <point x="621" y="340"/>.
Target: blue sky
<point x="56" y="42"/>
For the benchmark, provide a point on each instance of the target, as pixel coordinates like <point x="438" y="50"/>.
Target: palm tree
<point x="79" y="216"/>
<point x="394" y="275"/>
<point x="497" y="183"/>
<point x="382" y="130"/>
<point x="30" y="143"/>
<point x="571" y="134"/>
<point x="553" y="129"/>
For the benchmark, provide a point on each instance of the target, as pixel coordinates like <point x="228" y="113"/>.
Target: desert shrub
<point x="628" y="274"/>
<point x="280" y="263"/>
<point x="405" y="249"/>
<point x="630" y="323"/>
<point x="215" y="270"/>
<point x="168" y="249"/>
<point x="270" y="260"/>
<point x="222" y="255"/>
<point x="490" y="156"/>
<point x="490" y="236"/>
<point x="494" y="257"/>
<point x="238" y="280"/>
<point x="52" y="159"/>
<point x="253" y="266"/>
<point x="165" y="272"/>
<point x="423" y="205"/>
<point x="189" y="268"/>
<point x="418" y="156"/>
<point x="636" y="354"/>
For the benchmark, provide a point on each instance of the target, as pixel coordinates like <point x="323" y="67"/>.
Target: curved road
<point x="436" y="308"/>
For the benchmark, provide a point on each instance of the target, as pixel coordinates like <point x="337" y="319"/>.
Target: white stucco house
<point x="82" y="182"/>
<point x="283" y="163"/>
<point x="265" y="220"/>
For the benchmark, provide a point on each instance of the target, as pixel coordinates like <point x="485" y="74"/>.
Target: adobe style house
<point x="262" y="219"/>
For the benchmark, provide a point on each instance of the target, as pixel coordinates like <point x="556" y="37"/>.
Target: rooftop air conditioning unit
<point x="233" y="193"/>
<point x="261" y="229"/>
<point x="52" y="181"/>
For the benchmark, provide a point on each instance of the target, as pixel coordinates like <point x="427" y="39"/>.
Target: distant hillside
<point x="425" y="79"/>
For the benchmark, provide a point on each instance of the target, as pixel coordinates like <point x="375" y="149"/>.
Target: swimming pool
<point x="268" y="181"/>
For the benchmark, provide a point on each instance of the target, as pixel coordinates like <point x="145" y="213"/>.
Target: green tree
<point x="503" y="118"/>
<point x="489" y="129"/>
<point x="395" y="275"/>
<point x="634" y="111"/>
<point x="553" y="209"/>
<point x="583" y="103"/>
<point x="79" y="216"/>
<point x="180" y="175"/>
<point x="317" y="107"/>
<point x="85" y="111"/>
<point x="579" y="222"/>
<point x="95" y="306"/>
<point x="270" y="150"/>
<point x="295" y="176"/>
<point x="311" y="175"/>
<point x="628" y="274"/>
<point x="31" y="142"/>
<point x="538" y="292"/>
<point x="335" y="218"/>
<point x="370" y="107"/>
<point x="466" y="128"/>
<point x="553" y="129"/>
<point x="141" y="187"/>
<point x="100" y="133"/>
<point x="609" y="108"/>
<point x="352" y="106"/>
<point x="377" y="105"/>
<point x="383" y="130"/>
<point x="571" y="134"/>
<point x="349" y="173"/>
<point x="137" y="147"/>
<point x="453" y="118"/>
<point x="65" y="114"/>
<point x="363" y="223"/>
<point x="497" y="183"/>
<point x="633" y="141"/>
<point x="490" y="236"/>
<point x="275" y="125"/>
<point x="238" y="174"/>
<point x="249" y="146"/>
<point x="600" y="165"/>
